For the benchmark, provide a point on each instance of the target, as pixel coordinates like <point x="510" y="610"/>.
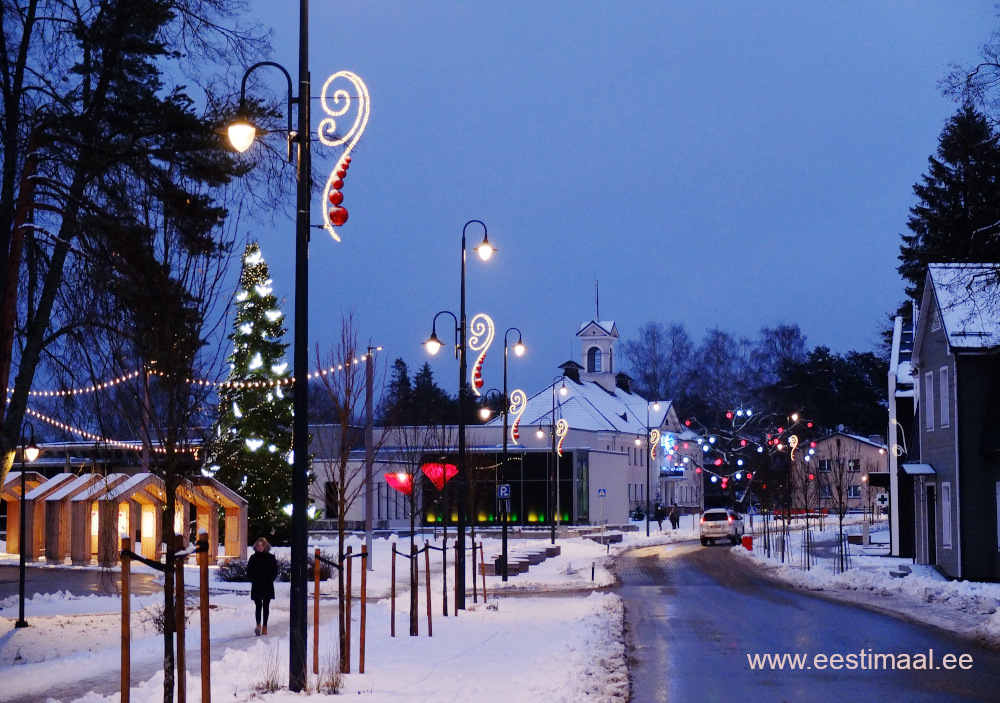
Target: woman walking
<point x="262" y="568"/>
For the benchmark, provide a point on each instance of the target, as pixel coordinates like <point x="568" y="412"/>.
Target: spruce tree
<point x="253" y="438"/>
<point x="958" y="216"/>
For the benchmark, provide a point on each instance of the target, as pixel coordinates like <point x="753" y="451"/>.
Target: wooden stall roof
<point x="48" y="487"/>
<point x="219" y="493"/>
<point x="137" y="487"/>
<point x="71" y="488"/>
<point x="96" y="489"/>
<point x="12" y="486"/>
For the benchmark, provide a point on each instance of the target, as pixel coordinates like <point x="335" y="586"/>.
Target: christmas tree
<point x="251" y="450"/>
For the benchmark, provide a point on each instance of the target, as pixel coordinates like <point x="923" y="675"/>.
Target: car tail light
<point x="730" y="518"/>
<point x="703" y="518"/>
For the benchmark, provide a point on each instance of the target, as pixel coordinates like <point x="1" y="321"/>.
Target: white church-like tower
<point x="597" y="352"/>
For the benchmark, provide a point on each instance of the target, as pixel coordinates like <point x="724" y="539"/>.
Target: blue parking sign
<point x="503" y="490"/>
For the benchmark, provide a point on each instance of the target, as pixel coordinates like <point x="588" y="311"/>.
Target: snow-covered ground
<point x="543" y="635"/>
<point x="548" y="634"/>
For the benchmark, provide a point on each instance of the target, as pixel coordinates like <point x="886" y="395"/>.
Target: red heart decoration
<point x="336" y="197"/>
<point x="338" y="216"/>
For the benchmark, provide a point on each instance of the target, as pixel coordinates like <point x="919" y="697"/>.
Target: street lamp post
<point x="29" y="452"/>
<point x="649" y="460"/>
<point x="554" y="507"/>
<point x="505" y="514"/>
<point x="485" y="250"/>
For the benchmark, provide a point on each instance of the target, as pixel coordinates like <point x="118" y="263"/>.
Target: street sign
<point x="601" y="492"/>
<point x="882" y="500"/>
<point x="503" y="490"/>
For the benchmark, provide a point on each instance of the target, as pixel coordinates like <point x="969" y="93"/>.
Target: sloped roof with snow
<point x="588" y="406"/>
<point x="968" y="298"/>
<point x="608" y="326"/>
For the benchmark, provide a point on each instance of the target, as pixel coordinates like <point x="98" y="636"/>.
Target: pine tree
<point x="958" y="216"/>
<point x="253" y="437"/>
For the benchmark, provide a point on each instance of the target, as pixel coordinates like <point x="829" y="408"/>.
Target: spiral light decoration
<point x="654" y="439"/>
<point x="481" y="331"/>
<point x="793" y="442"/>
<point x="518" y="403"/>
<point x="562" y="429"/>
<point x="328" y="135"/>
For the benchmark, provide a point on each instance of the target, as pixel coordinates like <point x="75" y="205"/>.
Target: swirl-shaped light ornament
<point x="654" y="439"/>
<point x="793" y="442"/>
<point x="518" y="403"/>
<point x="481" y="331"/>
<point x="329" y="136"/>
<point x="562" y="429"/>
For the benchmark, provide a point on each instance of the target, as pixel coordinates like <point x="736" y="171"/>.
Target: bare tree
<point x="843" y="465"/>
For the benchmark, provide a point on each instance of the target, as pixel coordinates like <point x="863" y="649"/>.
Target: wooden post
<point x="482" y="567"/>
<point x="316" y="613"/>
<point x="457" y="562"/>
<point x="392" y="580"/>
<point x="347" y="613"/>
<point x="179" y="612"/>
<point x="206" y="642"/>
<point x="444" y="574"/>
<point x="472" y="563"/>
<point x="126" y="619"/>
<point x="427" y="574"/>
<point x="364" y="611"/>
<point x="414" y="592"/>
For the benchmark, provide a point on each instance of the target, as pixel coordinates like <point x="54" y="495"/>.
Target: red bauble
<point x="337" y="184"/>
<point x="347" y="159"/>
<point x="479" y="383"/>
<point x="336" y="197"/>
<point x="341" y="172"/>
<point x="338" y="216"/>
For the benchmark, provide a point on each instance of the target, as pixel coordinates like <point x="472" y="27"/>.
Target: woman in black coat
<point x="262" y="569"/>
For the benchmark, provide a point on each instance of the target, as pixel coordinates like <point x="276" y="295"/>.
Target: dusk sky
<point x="716" y="164"/>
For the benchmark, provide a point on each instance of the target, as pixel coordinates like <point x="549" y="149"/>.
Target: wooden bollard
<point x="392" y="608"/>
<point x="206" y="641"/>
<point x="457" y="560"/>
<point x="364" y="608"/>
<point x="444" y="574"/>
<point x="347" y="614"/>
<point x="126" y="620"/>
<point x="316" y="613"/>
<point x="179" y="612"/>
<point x="482" y="567"/>
<point x="427" y="574"/>
<point x="472" y="567"/>
<point x="414" y="592"/>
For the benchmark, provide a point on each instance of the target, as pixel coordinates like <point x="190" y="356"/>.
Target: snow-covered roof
<point x="588" y="406"/>
<point x="968" y="297"/>
<point x="608" y="326"/>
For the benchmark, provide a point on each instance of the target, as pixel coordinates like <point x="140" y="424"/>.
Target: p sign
<point x="503" y="490"/>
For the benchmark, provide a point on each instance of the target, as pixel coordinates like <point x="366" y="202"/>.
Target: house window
<point x="946" y="515"/>
<point x="825" y="492"/>
<point x="854" y="491"/>
<point x="825" y="465"/>
<point x="928" y="401"/>
<point x="945" y="393"/>
<point x="854" y="465"/>
<point x="331" y="500"/>
<point x="594" y="360"/>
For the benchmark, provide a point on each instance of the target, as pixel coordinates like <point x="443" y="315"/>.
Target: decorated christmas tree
<point x="251" y="450"/>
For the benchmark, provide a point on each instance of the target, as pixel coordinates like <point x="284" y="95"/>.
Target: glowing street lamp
<point x="29" y="452"/>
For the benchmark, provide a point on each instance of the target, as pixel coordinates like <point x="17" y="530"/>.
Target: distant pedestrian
<point x="262" y="569"/>
<point x="658" y="515"/>
<point x="675" y="517"/>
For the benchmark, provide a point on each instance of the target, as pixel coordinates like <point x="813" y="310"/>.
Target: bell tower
<point x="597" y="352"/>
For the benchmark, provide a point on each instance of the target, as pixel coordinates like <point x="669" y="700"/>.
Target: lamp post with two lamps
<point x="485" y="251"/>
<point x="242" y="133"/>
<point x="650" y="451"/>
<point x="29" y="452"/>
<point x="554" y="506"/>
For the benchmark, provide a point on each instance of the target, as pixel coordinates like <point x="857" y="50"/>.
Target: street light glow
<point x="485" y="250"/>
<point x="241" y="134"/>
<point x="433" y="345"/>
<point x="519" y="348"/>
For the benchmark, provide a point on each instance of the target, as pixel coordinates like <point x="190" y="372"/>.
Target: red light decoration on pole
<point x="439" y="474"/>
<point x="401" y="481"/>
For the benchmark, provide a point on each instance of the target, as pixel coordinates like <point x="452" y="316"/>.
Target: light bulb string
<point x="133" y="445"/>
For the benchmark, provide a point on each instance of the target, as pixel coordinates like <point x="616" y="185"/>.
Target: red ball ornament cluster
<point x="338" y="214"/>
<point x="477" y="376"/>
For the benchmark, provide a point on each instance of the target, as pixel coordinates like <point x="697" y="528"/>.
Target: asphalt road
<point x="81" y="582"/>
<point x="694" y="613"/>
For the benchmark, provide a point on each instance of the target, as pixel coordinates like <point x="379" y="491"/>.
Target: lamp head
<point x="433" y="344"/>
<point x="241" y="133"/>
<point x="539" y="433"/>
<point x="519" y="347"/>
<point x="484" y="412"/>
<point x="31" y="452"/>
<point x="485" y="250"/>
<point x="563" y="390"/>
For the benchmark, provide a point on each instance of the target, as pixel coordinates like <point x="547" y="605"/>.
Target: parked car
<point x="717" y="523"/>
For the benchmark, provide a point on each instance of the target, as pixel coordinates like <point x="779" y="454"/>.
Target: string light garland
<point x="133" y="445"/>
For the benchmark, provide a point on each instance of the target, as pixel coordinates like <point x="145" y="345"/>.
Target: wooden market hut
<point x="235" y="509"/>
<point x="58" y="515"/>
<point x="12" y="495"/>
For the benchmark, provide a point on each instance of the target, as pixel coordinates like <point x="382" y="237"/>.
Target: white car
<point x="721" y="522"/>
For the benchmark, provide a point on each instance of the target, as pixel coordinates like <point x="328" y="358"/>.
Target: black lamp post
<point x="505" y="514"/>
<point x="242" y="135"/>
<point x="485" y="250"/>
<point x="29" y="452"/>
<point x="649" y="460"/>
<point x="554" y="473"/>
